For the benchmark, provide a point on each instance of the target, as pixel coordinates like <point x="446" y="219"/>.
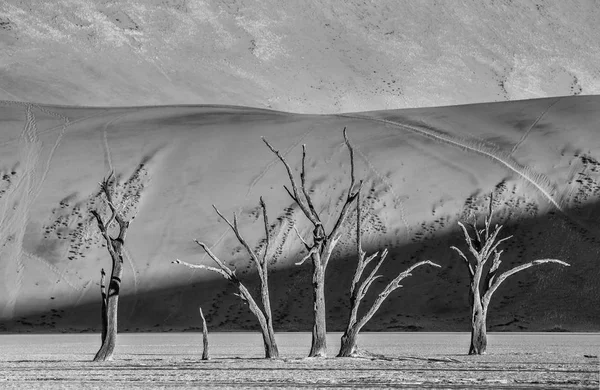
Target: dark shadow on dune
<point x="543" y="298"/>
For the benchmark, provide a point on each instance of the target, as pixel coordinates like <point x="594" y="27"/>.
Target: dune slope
<point x="309" y="57"/>
<point x="424" y="169"/>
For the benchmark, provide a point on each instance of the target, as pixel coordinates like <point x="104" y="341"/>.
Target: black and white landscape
<point x="450" y="108"/>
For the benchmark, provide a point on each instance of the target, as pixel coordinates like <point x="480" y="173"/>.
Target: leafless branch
<point x="267" y="233"/>
<point x="303" y="183"/>
<point x="391" y="286"/>
<point x="467" y="262"/>
<point x="469" y="242"/>
<point x="234" y="227"/>
<point x="300" y="237"/>
<point x="202" y="266"/>
<point x="364" y="288"/>
<point x="302" y="203"/>
<point x="308" y="255"/>
<point x="516" y="269"/>
<point x="351" y="151"/>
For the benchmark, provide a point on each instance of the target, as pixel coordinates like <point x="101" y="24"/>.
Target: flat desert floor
<point x="423" y="360"/>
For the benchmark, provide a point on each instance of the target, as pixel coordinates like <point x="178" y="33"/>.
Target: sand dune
<point x="315" y="57"/>
<point x="424" y="169"/>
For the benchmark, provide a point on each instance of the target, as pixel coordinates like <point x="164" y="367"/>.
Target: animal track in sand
<point x="526" y="133"/>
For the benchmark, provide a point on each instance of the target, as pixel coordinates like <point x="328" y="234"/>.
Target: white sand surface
<point x="414" y="360"/>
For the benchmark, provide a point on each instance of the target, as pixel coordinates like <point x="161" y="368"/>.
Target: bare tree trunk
<point x="349" y="347"/>
<point x="104" y="307"/>
<point x="108" y="346"/>
<point x="323" y="244"/>
<point x="264" y="316"/>
<point x="319" y="331"/>
<point x="271" y="350"/>
<point x="359" y="289"/>
<point x="483" y="245"/>
<point x="115" y="249"/>
<point x="205" y="355"/>
<point x="478" y="329"/>
<point x="270" y="345"/>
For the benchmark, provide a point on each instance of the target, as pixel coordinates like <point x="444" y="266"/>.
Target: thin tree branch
<point x="494" y="248"/>
<point x="491" y="242"/>
<point x="344" y="213"/>
<point x="352" y="194"/>
<point x="312" y="250"/>
<point x="414" y="266"/>
<point x="101" y="225"/>
<point x="303" y="182"/>
<point x="491" y="276"/>
<point x="202" y="266"/>
<point x="360" y="264"/>
<point x="236" y="230"/>
<point x="462" y="255"/>
<point x="359" y="250"/>
<point x="469" y="242"/>
<point x="364" y="288"/>
<point x="391" y="286"/>
<point x="488" y="218"/>
<point x="291" y="195"/>
<point x="300" y="237"/>
<point x="267" y="234"/>
<point x="516" y="269"/>
<point x="107" y="188"/>
<point x="477" y="233"/>
<point x="302" y="203"/>
<point x="351" y="151"/>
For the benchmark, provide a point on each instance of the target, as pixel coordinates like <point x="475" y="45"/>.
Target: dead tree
<point x="104" y="307"/>
<point x="205" y="355"/>
<point x="115" y="249"/>
<point x="264" y="316"/>
<point x="482" y="244"/>
<point x="358" y="290"/>
<point x="323" y="243"/>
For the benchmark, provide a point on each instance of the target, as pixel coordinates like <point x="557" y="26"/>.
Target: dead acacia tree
<point x="115" y="249"/>
<point x="358" y="290"/>
<point x="482" y="244"/>
<point x="205" y="355"/>
<point x="323" y="243"/>
<point x="264" y="316"/>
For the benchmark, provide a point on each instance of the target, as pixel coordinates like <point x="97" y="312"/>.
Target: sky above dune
<point x="299" y="56"/>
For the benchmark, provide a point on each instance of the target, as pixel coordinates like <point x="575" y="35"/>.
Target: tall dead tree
<point x="482" y="244"/>
<point x="323" y="243"/>
<point x="264" y="316"/>
<point x="115" y="249"/>
<point x="358" y="290"/>
<point x="205" y="355"/>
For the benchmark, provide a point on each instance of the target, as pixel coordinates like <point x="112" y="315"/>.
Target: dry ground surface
<point x="423" y="360"/>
